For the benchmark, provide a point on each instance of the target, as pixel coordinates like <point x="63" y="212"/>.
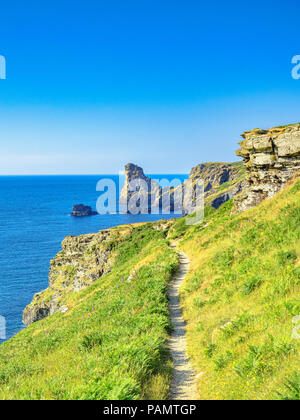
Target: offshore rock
<point x="80" y="210"/>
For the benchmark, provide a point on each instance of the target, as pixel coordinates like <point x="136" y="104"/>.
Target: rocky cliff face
<point x="221" y="182"/>
<point x="82" y="260"/>
<point x="271" y="158"/>
<point x="135" y="179"/>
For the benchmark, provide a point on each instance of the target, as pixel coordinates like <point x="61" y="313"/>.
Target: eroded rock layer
<point x="82" y="260"/>
<point x="221" y="182"/>
<point x="271" y="158"/>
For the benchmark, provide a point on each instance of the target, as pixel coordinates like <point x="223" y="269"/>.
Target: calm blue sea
<point x="34" y="219"/>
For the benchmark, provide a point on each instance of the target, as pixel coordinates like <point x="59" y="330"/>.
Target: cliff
<point x="271" y="158"/>
<point x="107" y="342"/>
<point x="107" y="294"/>
<point x="82" y="260"/>
<point x="239" y="301"/>
<point x="137" y="180"/>
<point x="221" y="182"/>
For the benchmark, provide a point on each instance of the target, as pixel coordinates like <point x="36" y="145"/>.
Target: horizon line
<point x="99" y="174"/>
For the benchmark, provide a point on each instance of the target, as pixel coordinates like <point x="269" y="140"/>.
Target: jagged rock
<point x="221" y="182"/>
<point x="271" y="158"/>
<point x="39" y="310"/>
<point x="138" y="191"/>
<point x="215" y="175"/>
<point x="222" y="198"/>
<point x="82" y="260"/>
<point x="80" y="210"/>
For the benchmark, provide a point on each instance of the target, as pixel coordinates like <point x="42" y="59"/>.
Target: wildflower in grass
<point x="93" y="308"/>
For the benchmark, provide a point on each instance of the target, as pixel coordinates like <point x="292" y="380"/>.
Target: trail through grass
<point x="240" y="297"/>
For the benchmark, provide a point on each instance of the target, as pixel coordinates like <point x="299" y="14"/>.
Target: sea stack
<point x="139" y="185"/>
<point x="80" y="210"/>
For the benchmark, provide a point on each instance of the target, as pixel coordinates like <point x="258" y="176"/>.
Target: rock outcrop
<point x="80" y="210"/>
<point x="221" y="182"/>
<point x="271" y="158"/>
<point x="82" y="260"/>
<point x="138" y="185"/>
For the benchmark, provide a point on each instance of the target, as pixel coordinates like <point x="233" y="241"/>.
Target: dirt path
<point x="183" y="386"/>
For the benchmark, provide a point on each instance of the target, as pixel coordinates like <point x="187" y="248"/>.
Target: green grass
<point x="240" y="297"/>
<point x="291" y="388"/>
<point x="111" y="343"/>
<point x="239" y="300"/>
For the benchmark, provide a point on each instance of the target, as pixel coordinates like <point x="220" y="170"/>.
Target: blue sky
<point x="165" y="84"/>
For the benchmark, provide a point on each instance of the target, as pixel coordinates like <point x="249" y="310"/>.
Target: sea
<point x="34" y="219"/>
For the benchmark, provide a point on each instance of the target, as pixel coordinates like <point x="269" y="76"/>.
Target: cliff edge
<point x="82" y="260"/>
<point x="271" y="157"/>
<point x="222" y="181"/>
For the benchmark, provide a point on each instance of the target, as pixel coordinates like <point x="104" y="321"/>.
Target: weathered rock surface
<point x="82" y="260"/>
<point x="271" y="158"/>
<point x="221" y="182"/>
<point x="80" y="210"/>
<point x="138" y="190"/>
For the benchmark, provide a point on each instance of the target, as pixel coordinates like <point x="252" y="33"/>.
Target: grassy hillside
<point x="239" y="300"/>
<point x="111" y="342"/>
<point x="240" y="297"/>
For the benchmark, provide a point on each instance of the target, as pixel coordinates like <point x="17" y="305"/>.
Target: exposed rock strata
<point x="271" y="158"/>
<point x="82" y="260"/>
<point x="221" y="182"/>
<point x="139" y="190"/>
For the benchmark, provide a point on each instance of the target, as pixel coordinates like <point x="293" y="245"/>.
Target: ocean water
<point x="34" y="219"/>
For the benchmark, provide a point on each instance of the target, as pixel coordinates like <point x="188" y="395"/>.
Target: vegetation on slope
<point x="240" y="297"/>
<point x="239" y="300"/>
<point x="111" y="342"/>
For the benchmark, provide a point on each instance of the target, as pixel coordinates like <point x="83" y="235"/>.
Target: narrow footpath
<point x="183" y="386"/>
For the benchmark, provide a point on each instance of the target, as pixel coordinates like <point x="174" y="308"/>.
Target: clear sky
<point x="166" y="84"/>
